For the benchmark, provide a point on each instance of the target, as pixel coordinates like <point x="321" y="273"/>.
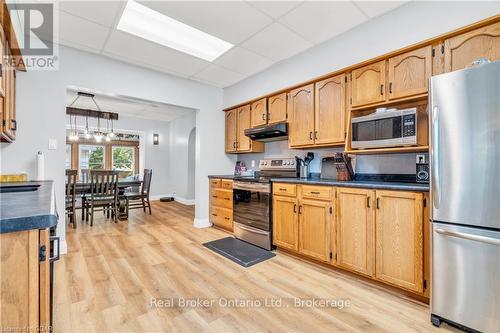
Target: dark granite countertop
<point x="28" y="210"/>
<point x="372" y="184"/>
<point x="381" y="185"/>
<point x="221" y="176"/>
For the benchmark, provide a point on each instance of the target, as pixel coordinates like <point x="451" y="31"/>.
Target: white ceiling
<point x="126" y="106"/>
<point x="264" y="32"/>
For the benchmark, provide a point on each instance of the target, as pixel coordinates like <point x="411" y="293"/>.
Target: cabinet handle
<point x="368" y="199"/>
<point x="214" y="196"/>
<point x="295" y="208"/>
<point x="382" y="89"/>
<point x="310" y="135"/>
<point x="227" y="198"/>
<point x="263" y="116"/>
<point x="314" y="192"/>
<point x="226" y="218"/>
<point x="268" y="116"/>
<point x="315" y="135"/>
<point x="300" y="209"/>
<point x="378" y="203"/>
<point x="390" y="87"/>
<point x="214" y="214"/>
<point x="14" y="123"/>
<point x="282" y="189"/>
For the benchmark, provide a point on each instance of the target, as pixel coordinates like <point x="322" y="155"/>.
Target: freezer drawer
<point x="465" y="276"/>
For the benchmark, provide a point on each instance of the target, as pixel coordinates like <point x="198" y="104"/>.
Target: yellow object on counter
<point x="20" y="177"/>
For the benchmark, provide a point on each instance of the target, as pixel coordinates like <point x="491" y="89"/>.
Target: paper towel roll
<point x="40" y="166"/>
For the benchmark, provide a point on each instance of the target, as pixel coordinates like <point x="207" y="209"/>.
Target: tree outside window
<point x="91" y="157"/>
<point x="124" y="161"/>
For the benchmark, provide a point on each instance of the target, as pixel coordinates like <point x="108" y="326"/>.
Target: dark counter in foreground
<point x="26" y="210"/>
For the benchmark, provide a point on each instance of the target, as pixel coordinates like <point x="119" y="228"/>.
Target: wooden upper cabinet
<point x="314" y="229"/>
<point x="355" y="230"/>
<point x="277" y="109"/>
<point x="285" y="220"/>
<point x="243" y="142"/>
<point x="409" y="73"/>
<point x="460" y="51"/>
<point x="301" y="116"/>
<point x="231" y="127"/>
<point x="330" y="111"/>
<point x="259" y="112"/>
<point x="368" y="84"/>
<point x="399" y="239"/>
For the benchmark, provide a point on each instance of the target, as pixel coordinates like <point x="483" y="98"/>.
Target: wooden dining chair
<point x="103" y="194"/>
<point x="140" y="199"/>
<point x="70" y="204"/>
<point x="84" y="175"/>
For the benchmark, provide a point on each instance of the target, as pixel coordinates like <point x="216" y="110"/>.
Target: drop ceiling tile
<point x="102" y="12"/>
<point x="130" y="47"/>
<point x="79" y="31"/>
<point x="275" y="9"/>
<point x="243" y="61"/>
<point x="232" y="21"/>
<point x="319" y="21"/>
<point x="78" y="46"/>
<point x="219" y="76"/>
<point x="276" y="42"/>
<point x="375" y="8"/>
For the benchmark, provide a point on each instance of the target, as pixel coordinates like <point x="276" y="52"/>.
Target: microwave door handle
<point x="435" y="172"/>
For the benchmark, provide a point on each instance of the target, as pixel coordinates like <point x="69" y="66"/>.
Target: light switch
<point x="253" y="163"/>
<point x="52" y="144"/>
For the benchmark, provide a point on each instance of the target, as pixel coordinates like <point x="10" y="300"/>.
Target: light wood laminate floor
<point x="112" y="272"/>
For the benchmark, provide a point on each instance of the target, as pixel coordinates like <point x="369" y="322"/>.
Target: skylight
<point x="149" y="24"/>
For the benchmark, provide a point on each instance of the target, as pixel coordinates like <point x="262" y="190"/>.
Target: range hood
<point x="275" y="132"/>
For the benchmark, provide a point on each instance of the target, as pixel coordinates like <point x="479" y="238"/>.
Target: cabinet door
<point x="399" y="239"/>
<point x="276" y="109"/>
<point x="314" y="229"/>
<point x="285" y="219"/>
<point x="355" y="230"/>
<point x="259" y="112"/>
<point x="9" y="85"/>
<point x="460" y="51"/>
<point x="243" y="142"/>
<point x="231" y="125"/>
<point x="368" y="84"/>
<point x="409" y="73"/>
<point x="301" y="116"/>
<point x="329" y="118"/>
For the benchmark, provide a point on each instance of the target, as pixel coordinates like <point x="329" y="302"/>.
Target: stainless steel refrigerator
<point x="465" y="195"/>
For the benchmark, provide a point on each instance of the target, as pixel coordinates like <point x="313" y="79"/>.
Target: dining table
<point x="82" y="187"/>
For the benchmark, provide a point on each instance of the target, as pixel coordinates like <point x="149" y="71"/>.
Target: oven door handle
<point x="252" y="230"/>
<point x="262" y="188"/>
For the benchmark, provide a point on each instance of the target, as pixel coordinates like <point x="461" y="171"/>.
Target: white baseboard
<point x="185" y="201"/>
<point x="202" y="223"/>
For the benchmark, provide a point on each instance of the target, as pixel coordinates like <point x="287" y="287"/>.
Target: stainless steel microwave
<point x="391" y="128"/>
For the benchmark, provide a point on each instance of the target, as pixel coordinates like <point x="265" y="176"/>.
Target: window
<point x="124" y="161"/>
<point x="67" y="162"/>
<point x="91" y="157"/>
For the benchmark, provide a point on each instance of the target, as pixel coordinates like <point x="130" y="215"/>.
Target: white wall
<point x="180" y="129"/>
<point x="154" y="157"/>
<point x="41" y="99"/>
<point x="408" y="24"/>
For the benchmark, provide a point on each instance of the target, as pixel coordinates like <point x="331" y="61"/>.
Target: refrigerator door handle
<point x="435" y="174"/>
<point x="475" y="238"/>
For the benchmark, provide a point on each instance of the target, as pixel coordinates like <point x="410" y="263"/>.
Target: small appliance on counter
<point x="303" y="165"/>
<point x="422" y="169"/>
<point x="240" y="170"/>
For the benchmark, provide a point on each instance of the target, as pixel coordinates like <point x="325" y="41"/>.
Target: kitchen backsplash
<point x="377" y="164"/>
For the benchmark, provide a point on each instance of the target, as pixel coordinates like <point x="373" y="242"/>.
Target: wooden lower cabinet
<point x="382" y="235"/>
<point x="25" y="280"/>
<point x="285" y="222"/>
<point x="399" y="239"/>
<point x="314" y="228"/>
<point x="221" y="203"/>
<point x="355" y="218"/>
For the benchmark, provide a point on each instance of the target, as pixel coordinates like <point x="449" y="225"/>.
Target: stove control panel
<point x="277" y="164"/>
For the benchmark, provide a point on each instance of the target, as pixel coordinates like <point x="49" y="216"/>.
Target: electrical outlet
<point x="52" y="144"/>
<point x="421" y="159"/>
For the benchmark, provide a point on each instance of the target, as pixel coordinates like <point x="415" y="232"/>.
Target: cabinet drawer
<point x="222" y="198"/>
<point x="289" y="190"/>
<point x="215" y="183"/>
<point x="317" y="192"/>
<point x="227" y="184"/>
<point x="222" y="217"/>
